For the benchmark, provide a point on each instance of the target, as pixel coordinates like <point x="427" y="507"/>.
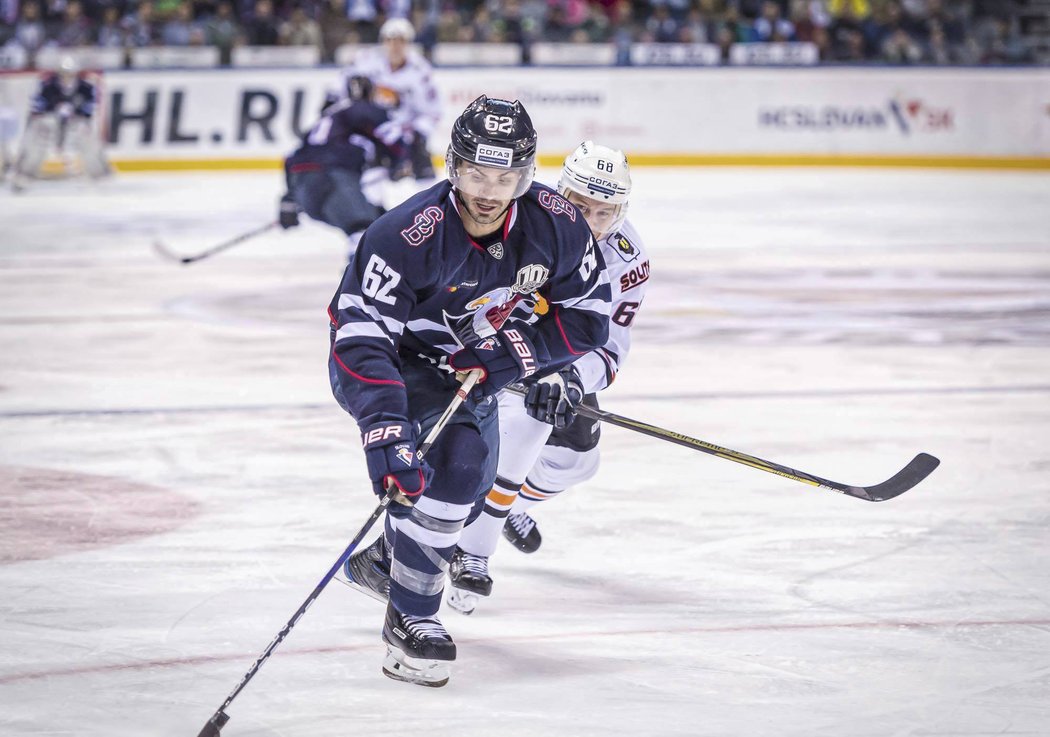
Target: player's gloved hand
<point x="554" y="399"/>
<point x="390" y="452"/>
<point x="392" y="132"/>
<point x="503" y="358"/>
<point x="288" y="212"/>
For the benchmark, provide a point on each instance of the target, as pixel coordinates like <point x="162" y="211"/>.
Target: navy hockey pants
<point x="464" y="461"/>
<point x="332" y="195"/>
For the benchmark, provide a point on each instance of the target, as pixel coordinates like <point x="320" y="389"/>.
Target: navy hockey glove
<point x="288" y="213"/>
<point x="554" y="399"/>
<point x="390" y="452"/>
<point x="503" y="358"/>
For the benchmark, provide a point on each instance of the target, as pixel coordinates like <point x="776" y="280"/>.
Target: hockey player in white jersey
<point x="404" y="81"/>
<point x="543" y="450"/>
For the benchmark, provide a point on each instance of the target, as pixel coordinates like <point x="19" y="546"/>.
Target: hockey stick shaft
<point x="917" y="469"/>
<point x="163" y="250"/>
<point x="219" y="718"/>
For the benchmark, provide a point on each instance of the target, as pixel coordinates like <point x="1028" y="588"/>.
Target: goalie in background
<point x="61" y="121"/>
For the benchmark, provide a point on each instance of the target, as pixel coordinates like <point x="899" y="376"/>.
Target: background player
<point x="61" y="119"/>
<point x="336" y="174"/>
<point x="404" y="80"/>
<point x="537" y="460"/>
<point x="486" y="271"/>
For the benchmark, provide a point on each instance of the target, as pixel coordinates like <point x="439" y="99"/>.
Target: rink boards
<point x="251" y="118"/>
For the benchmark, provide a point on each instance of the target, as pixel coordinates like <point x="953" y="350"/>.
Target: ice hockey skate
<point x="521" y="532"/>
<point x="368" y="570"/>
<point x="470" y="581"/>
<point x="419" y="649"/>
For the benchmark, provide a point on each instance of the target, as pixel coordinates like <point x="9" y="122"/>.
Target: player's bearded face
<point x="599" y="215"/>
<point x="486" y="191"/>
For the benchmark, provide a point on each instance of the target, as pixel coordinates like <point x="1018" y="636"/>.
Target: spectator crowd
<point x="933" y="32"/>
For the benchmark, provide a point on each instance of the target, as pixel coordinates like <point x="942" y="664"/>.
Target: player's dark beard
<point x="497" y="217"/>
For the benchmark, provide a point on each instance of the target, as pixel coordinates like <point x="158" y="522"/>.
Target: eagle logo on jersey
<point x="489" y="313"/>
<point x="627" y="250"/>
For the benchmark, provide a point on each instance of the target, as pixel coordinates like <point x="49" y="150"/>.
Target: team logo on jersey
<point x="423" y="225"/>
<point x="496" y="250"/>
<point x="557" y="205"/>
<point x="530" y="278"/>
<point x="627" y="250"/>
<point x="494" y="156"/>
<point x="404" y="455"/>
<point x="486" y="345"/>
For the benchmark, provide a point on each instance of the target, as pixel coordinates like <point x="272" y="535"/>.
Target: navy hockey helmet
<point x="492" y="134"/>
<point x="359" y="87"/>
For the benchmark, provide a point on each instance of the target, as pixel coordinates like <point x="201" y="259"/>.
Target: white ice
<point x="175" y="477"/>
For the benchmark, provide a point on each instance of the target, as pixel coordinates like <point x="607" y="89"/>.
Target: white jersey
<point x="411" y="87"/>
<point x="628" y="265"/>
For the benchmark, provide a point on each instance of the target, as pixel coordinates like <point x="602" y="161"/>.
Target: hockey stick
<point x="917" y="469"/>
<point x="219" y="718"/>
<point x="170" y="255"/>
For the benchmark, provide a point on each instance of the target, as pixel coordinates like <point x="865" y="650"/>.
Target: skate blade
<point x="419" y="671"/>
<point x="464" y="602"/>
<point x="363" y="589"/>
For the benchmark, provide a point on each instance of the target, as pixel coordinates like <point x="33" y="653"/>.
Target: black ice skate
<point x="418" y="649"/>
<point x="521" y="531"/>
<point x="470" y="581"/>
<point x="368" y="570"/>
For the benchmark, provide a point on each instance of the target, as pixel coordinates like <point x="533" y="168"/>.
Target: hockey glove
<point x="390" y="452"/>
<point x="503" y="358"/>
<point x="288" y="213"/>
<point x="554" y="399"/>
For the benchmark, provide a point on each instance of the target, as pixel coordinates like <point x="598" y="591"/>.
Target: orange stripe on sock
<point x="500" y="499"/>
<point x="530" y="493"/>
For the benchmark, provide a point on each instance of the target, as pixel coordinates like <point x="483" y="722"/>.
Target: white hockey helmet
<point x="397" y="28"/>
<point x="601" y="174"/>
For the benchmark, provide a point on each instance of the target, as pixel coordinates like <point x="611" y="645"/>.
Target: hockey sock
<point x="531" y="495"/>
<point x="481" y="536"/>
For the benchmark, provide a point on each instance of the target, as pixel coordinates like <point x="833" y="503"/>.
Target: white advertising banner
<point x="656" y="115"/>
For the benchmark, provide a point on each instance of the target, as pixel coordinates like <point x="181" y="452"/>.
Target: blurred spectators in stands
<point x="300" y="30"/>
<point x="110" y="32"/>
<point x="29" y="31"/>
<point x="336" y="28"/>
<point x="180" y="29"/>
<point x="938" y="32"/>
<point x="222" y="31"/>
<point x="261" y="27"/>
<point x="140" y="26"/>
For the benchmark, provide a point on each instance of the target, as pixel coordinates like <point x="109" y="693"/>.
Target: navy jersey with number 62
<point x="421" y="286"/>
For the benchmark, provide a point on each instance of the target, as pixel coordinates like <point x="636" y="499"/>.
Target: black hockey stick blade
<point x="917" y="469"/>
<point x="216" y="723"/>
<point x="170" y="255"/>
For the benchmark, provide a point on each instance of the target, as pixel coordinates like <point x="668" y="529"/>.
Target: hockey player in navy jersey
<point x="543" y="449"/>
<point x="61" y="120"/>
<point x="355" y="140"/>
<point x="487" y="271"/>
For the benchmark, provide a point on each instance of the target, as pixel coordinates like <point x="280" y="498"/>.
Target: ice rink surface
<point x="175" y="477"/>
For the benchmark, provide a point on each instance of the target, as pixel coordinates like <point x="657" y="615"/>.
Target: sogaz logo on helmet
<point x="494" y="156"/>
<point x="603" y="186"/>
